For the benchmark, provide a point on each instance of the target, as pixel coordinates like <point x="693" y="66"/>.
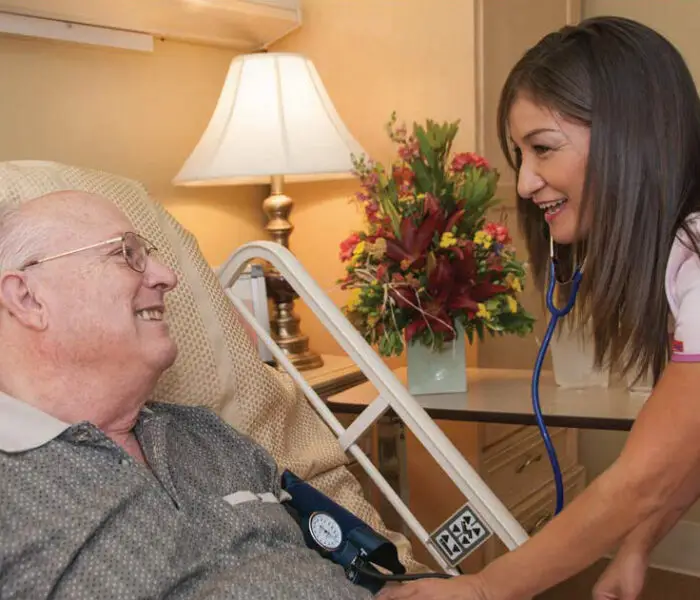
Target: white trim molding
<point x="74" y="32"/>
<point x="678" y="551"/>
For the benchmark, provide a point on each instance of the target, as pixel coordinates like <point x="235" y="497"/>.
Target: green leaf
<point x="390" y="209"/>
<point x="426" y="148"/>
<point x="425" y="184"/>
<point x="480" y="189"/>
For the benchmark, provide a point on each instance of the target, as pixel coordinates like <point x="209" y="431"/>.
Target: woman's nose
<point x="529" y="182"/>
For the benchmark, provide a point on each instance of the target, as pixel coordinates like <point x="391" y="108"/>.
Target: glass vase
<point x="438" y="371"/>
<point x="573" y="359"/>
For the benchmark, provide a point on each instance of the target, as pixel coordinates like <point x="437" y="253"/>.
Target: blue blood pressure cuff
<point x="340" y="536"/>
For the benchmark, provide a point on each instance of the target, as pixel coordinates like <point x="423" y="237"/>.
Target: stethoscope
<point x="556" y="314"/>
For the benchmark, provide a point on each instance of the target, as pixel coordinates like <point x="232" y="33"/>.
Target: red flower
<point x="346" y="281"/>
<point x="452" y="285"/>
<point x="372" y="210"/>
<point x="362" y="197"/>
<point x="385" y="232"/>
<point x="411" y="250"/>
<point x="498" y="232"/>
<point x="410" y="150"/>
<point x="464" y="159"/>
<point x="348" y="246"/>
<point x="431" y="205"/>
<point x="415" y="240"/>
<point x="403" y="176"/>
<point x="404" y="296"/>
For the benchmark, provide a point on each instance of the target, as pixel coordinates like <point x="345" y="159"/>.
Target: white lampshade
<point x="273" y="117"/>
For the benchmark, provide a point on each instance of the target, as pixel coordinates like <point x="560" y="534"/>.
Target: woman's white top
<point x="683" y="293"/>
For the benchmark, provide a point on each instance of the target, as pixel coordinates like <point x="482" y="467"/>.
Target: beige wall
<point x="134" y="114"/>
<point x="678" y="21"/>
<point x="376" y="56"/>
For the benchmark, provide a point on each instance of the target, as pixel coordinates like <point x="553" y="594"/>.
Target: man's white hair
<point x="22" y="238"/>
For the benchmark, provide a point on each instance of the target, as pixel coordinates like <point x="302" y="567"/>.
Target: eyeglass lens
<point x="135" y="252"/>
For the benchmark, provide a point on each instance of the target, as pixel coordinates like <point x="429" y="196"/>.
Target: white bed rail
<point x="392" y="394"/>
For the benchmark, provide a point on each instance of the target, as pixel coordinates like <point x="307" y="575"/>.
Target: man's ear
<point x="17" y="298"/>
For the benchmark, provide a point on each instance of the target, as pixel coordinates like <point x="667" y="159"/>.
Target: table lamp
<point x="274" y="122"/>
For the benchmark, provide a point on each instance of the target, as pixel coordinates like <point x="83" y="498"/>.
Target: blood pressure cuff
<point x="339" y="535"/>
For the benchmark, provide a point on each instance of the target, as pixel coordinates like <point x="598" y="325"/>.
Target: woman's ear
<point x="17" y="299"/>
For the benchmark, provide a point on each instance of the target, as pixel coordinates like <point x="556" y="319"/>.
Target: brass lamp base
<point x="284" y="324"/>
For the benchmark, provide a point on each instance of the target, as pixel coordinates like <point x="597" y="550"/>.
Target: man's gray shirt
<point x="80" y="519"/>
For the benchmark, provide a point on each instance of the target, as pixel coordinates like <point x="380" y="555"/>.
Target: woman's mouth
<point x="552" y="209"/>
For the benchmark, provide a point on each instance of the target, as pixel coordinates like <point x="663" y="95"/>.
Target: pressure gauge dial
<point x="325" y="531"/>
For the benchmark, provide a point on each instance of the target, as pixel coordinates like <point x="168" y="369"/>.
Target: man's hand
<point x="465" y="587"/>
<point x="623" y="579"/>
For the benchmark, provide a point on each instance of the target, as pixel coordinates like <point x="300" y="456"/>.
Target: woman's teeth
<point x="551" y="209"/>
<point x="552" y="206"/>
<point x="152" y="314"/>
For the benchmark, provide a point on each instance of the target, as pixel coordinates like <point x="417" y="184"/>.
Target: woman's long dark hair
<point x="633" y="89"/>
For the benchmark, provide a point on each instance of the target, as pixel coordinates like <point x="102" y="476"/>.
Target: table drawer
<point x="537" y="510"/>
<point x="516" y="469"/>
<point x="534" y="515"/>
<point x="492" y="433"/>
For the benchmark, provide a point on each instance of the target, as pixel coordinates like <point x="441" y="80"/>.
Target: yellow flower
<point x="354" y="299"/>
<point x="448" y="239"/>
<point x="481" y="238"/>
<point x="512" y="304"/>
<point x="359" y="250"/>
<point x="372" y="320"/>
<point x="514" y="282"/>
<point x="482" y="313"/>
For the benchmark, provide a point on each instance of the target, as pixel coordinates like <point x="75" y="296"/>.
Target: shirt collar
<point x="24" y="427"/>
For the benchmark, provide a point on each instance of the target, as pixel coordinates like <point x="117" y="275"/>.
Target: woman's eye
<point x="541" y="150"/>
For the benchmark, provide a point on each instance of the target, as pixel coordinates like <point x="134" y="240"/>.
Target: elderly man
<point x="101" y="496"/>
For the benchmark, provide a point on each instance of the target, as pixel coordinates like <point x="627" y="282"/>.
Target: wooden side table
<point x="338" y="373"/>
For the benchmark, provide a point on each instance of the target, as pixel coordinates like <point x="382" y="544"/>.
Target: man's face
<point x="101" y="312"/>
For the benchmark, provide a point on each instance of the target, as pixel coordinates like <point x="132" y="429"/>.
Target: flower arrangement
<point x="429" y="263"/>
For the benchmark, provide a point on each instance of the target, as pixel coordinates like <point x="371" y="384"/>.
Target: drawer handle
<point x="528" y="462"/>
<point x="541" y="522"/>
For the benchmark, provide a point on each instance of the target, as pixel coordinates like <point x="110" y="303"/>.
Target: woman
<point x="602" y="123"/>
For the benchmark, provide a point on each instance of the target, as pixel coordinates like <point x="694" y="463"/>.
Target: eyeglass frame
<point x="149" y="247"/>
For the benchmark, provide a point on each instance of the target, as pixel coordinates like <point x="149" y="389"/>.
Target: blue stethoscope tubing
<point x="556" y="314"/>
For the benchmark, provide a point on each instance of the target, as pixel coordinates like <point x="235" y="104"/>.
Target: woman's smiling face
<point x="553" y="154"/>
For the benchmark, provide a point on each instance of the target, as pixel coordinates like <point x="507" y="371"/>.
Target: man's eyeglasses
<point x="135" y="250"/>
